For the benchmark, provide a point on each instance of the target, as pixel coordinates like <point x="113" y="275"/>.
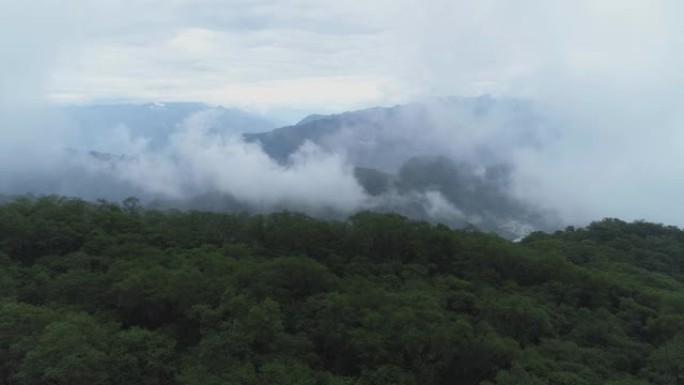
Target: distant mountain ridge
<point x="480" y="130"/>
<point x="155" y="122"/>
<point x="447" y="160"/>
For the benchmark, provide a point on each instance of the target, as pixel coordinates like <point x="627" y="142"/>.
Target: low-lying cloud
<point x="604" y="75"/>
<point x="198" y="161"/>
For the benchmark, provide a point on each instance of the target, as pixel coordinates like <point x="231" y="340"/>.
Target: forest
<point x="104" y="293"/>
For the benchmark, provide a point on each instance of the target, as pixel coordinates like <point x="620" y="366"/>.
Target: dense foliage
<point x="99" y="293"/>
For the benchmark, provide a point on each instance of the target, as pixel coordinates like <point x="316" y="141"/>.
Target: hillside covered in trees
<point x="101" y="293"/>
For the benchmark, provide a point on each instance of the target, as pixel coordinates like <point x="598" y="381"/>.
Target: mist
<point x="603" y="74"/>
<point x="197" y="161"/>
<point x="600" y="80"/>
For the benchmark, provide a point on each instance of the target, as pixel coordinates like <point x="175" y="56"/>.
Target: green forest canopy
<point x="101" y="293"/>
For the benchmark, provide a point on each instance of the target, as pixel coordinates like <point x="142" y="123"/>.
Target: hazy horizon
<point x="603" y="77"/>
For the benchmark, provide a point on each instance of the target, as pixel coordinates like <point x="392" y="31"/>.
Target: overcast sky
<point x="607" y="73"/>
<point x="332" y="54"/>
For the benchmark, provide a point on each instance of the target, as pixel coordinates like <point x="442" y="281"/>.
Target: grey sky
<point x="606" y="72"/>
<point x="325" y="54"/>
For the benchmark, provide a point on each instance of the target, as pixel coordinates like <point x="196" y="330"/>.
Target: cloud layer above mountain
<point x="606" y="75"/>
<point x="197" y="161"/>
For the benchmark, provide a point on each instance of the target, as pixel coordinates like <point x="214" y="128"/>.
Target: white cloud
<point x="406" y="48"/>
<point x="607" y="72"/>
<point x="267" y="69"/>
<point x="198" y="161"/>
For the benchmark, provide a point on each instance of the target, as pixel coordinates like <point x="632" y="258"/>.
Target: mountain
<point x="445" y="160"/>
<point x="439" y="189"/>
<point x="101" y="140"/>
<point x="481" y="130"/>
<point x="156" y="122"/>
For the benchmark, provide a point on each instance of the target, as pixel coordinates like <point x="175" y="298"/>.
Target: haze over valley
<point x="550" y="125"/>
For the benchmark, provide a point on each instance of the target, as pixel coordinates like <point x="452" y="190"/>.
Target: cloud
<point x="236" y="53"/>
<point x="198" y="161"/>
<point x="262" y="69"/>
<point x="606" y="74"/>
<point x="399" y="50"/>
